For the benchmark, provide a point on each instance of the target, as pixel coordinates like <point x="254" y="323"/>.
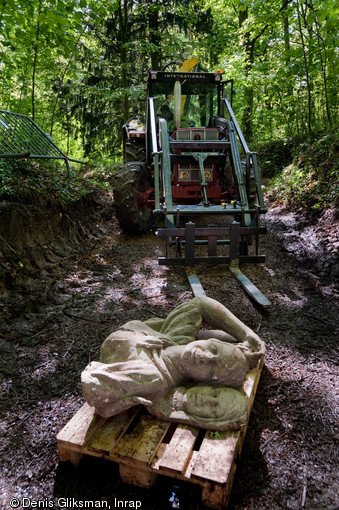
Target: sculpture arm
<point x="151" y="343"/>
<point x="218" y="316"/>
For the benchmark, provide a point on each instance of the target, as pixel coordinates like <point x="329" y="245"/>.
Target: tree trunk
<point x="249" y="43"/>
<point x="153" y="30"/>
<point x="287" y="45"/>
<point x="323" y="59"/>
<point x="35" y="59"/>
<point x="307" y="74"/>
<point x="57" y="97"/>
<point x="123" y="22"/>
<point x="2" y="10"/>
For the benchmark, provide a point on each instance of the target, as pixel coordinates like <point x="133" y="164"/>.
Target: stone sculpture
<point x="209" y="407"/>
<point x="145" y="362"/>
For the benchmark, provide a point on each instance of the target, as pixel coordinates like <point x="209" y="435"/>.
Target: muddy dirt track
<point x="58" y="309"/>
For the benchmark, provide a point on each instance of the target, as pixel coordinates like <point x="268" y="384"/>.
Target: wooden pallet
<point x="146" y="447"/>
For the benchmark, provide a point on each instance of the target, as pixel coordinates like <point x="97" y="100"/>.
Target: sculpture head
<point x="214" y="362"/>
<point x="208" y="402"/>
<point x="214" y="408"/>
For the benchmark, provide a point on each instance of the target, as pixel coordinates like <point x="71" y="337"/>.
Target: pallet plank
<point x="188" y="469"/>
<point x="251" y="383"/>
<point x="67" y="454"/>
<point x="215" y="456"/>
<point x="71" y="438"/>
<point x="178" y="451"/>
<point x="108" y="433"/>
<point x="143" y="441"/>
<point x="73" y="431"/>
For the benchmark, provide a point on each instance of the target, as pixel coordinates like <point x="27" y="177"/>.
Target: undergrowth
<point x="50" y="180"/>
<point x="304" y="176"/>
<point x="311" y="181"/>
<point x="274" y="156"/>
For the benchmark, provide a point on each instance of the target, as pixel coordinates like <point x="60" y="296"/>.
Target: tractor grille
<point x="196" y="134"/>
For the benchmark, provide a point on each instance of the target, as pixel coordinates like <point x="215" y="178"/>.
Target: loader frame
<point x="211" y="152"/>
<point x="164" y="151"/>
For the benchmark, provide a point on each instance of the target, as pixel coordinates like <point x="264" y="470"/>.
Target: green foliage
<point x="20" y="178"/>
<point x="285" y="73"/>
<point x="214" y="435"/>
<point x="274" y="156"/>
<point x="311" y="181"/>
<point x="80" y="66"/>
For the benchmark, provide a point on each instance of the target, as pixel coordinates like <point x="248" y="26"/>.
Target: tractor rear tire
<point x="135" y="151"/>
<point x="131" y="180"/>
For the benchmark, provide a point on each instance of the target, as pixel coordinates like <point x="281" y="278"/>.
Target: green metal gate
<point x="21" y="137"/>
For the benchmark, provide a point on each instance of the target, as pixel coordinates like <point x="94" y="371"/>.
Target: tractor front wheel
<point x="133" y="213"/>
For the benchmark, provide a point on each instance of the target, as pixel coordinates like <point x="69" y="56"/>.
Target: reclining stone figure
<point x="143" y="361"/>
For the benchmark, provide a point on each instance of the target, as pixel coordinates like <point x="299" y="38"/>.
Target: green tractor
<point x="190" y="164"/>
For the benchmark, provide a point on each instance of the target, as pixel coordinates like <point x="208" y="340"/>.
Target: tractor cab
<point x="186" y="104"/>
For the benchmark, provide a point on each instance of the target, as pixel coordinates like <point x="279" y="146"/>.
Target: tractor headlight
<point x="208" y="175"/>
<point x="184" y="175"/>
